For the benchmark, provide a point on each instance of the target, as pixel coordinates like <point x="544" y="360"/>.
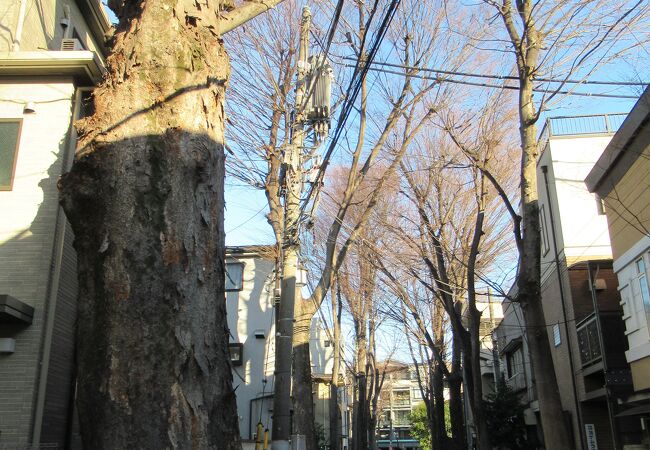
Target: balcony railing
<point x="580" y="126"/>
<point x="589" y="341"/>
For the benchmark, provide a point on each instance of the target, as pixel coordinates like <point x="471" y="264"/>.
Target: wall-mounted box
<point x="14" y="311"/>
<point x="7" y="345"/>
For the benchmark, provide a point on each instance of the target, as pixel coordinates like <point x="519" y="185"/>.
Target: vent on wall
<point x="71" y="45"/>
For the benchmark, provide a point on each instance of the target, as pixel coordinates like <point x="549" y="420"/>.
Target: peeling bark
<point x="145" y="200"/>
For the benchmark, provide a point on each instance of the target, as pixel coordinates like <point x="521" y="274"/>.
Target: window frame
<point x="19" y="120"/>
<point x="511" y="368"/>
<point x="557" y="335"/>
<point x="642" y="282"/>
<point x="226" y="277"/>
<point x="240" y="347"/>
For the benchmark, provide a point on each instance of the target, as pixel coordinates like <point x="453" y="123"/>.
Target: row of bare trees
<point x="437" y="158"/>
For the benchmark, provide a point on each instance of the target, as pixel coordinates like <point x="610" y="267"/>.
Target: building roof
<point x="264" y="251"/>
<point x="620" y="154"/>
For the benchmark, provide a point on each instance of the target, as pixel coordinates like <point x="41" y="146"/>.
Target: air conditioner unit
<point x="71" y="44"/>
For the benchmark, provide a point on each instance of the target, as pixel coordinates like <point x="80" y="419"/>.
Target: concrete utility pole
<point x="290" y="247"/>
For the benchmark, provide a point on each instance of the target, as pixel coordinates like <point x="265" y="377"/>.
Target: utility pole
<point x="293" y="180"/>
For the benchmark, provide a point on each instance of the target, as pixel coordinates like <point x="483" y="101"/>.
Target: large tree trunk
<point x="480" y="421"/>
<point x="303" y="399"/>
<point x="439" y="436"/>
<point x="334" y="410"/>
<point x="526" y="47"/>
<point x="360" y="432"/>
<point x="145" y="200"/>
<point x="556" y="434"/>
<point x="456" y="416"/>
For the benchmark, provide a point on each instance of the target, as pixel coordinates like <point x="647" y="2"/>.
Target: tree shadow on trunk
<point x="152" y="342"/>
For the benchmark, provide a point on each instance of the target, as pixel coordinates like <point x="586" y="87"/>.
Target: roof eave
<point x="83" y="65"/>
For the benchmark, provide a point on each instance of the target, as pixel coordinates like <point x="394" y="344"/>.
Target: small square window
<point x="236" y="350"/>
<point x="234" y="276"/>
<point x="9" y="138"/>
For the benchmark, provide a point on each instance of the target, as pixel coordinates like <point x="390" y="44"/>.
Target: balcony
<point x="517" y="382"/>
<point x="589" y="342"/>
<point x="401" y="398"/>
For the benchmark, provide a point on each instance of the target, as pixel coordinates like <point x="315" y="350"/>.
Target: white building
<point x="51" y="56"/>
<point x="251" y="293"/>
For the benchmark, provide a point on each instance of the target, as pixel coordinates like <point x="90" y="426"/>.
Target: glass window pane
<point x="234" y="276"/>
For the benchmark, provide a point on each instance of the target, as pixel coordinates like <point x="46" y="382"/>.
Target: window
<point x="401" y="398"/>
<point x="236" y="350"/>
<point x="401" y="418"/>
<point x="9" y="138"/>
<point x="643" y="286"/>
<point x="543" y="231"/>
<point x="515" y="362"/>
<point x="557" y="338"/>
<point x="416" y="394"/>
<point x="234" y="276"/>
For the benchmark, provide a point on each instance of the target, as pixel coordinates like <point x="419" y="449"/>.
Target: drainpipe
<point x="564" y="315"/>
<point x="608" y="390"/>
<point x="19" y="26"/>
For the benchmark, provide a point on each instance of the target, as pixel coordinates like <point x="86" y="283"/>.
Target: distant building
<point x="51" y="56"/>
<point x="400" y="394"/>
<point x="621" y="178"/>
<point x="251" y="294"/>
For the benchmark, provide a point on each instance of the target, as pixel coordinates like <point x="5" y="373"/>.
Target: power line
<point x="354" y="87"/>
<point x="504" y="77"/>
<point x="496" y="86"/>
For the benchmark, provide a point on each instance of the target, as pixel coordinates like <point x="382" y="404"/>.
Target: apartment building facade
<point x="620" y="178"/>
<point x="400" y="394"/>
<point x="579" y="288"/>
<point x="51" y="55"/>
<point x="579" y="292"/>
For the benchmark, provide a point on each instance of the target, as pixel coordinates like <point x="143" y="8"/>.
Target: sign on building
<point x="590" y="431"/>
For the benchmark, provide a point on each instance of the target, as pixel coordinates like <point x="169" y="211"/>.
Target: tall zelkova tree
<point x="145" y="200"/>
<point x="560" y="40"/>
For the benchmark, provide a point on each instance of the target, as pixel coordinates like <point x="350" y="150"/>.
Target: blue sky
<point x="246" y="207"/>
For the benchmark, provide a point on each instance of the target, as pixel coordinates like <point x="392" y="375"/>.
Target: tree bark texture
<point x="145" y="200"/>
<point x="454" y="380"/>
<point x="361" y="407"/>
<point x="334" y="409"/>
<point x="556" y="434"/>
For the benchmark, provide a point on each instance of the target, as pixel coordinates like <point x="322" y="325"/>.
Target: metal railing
<point x="580" y="126"/>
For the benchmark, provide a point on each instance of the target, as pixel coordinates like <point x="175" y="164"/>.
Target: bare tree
<point x="552" y="40"/>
